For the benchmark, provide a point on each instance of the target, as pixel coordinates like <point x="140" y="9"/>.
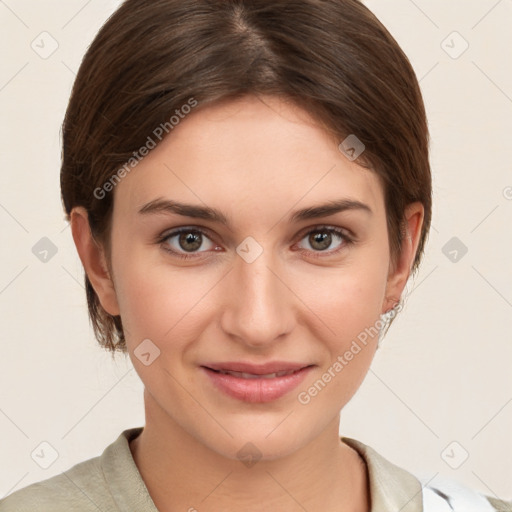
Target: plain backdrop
<point x="438" y="397"/>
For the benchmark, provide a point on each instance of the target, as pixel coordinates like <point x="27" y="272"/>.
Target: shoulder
<point x="98" y="484"/>
<point x="445" y="494"/>
<point x="500" y="505"/>
<point x="79" y="488"/>
<point x="394" y="488"/>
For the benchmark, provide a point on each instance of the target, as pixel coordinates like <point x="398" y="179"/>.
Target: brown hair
<point x="331" y="57"/>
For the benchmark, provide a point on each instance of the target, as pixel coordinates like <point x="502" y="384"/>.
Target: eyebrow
<point x="160" y="205"/>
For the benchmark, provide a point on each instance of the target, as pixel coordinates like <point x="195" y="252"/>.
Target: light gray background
<point x="443" y="374"/>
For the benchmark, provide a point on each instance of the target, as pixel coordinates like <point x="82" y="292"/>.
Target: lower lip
<point x="257" y="390"/>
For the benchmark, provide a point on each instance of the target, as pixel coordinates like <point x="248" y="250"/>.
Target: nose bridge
<point x="258" y="303"/>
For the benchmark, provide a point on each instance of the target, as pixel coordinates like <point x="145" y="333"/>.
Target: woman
<point x="249" y="190"/>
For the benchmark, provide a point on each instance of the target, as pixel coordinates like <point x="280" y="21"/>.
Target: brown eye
<point x="186" y="240"/>
<point x="321" y="239"/>
<point x="190" y="241"/>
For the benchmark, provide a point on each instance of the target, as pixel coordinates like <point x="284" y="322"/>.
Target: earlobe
<point x="398" y="276"/>
<point x="92" y="256"/>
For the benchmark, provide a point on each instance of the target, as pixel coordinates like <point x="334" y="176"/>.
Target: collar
<point x="391" y="487"/>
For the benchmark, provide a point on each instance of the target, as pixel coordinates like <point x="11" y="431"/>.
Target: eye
<point x="321" y="238"/>
<point x="186" y="242"/>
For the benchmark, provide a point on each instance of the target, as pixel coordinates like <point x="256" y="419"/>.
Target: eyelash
<point x="346" y="239"/>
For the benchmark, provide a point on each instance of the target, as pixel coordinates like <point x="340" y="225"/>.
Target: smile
<point x="245" y="375"/>
<point x="256" y="388"/>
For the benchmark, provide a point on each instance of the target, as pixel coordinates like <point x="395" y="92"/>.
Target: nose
<point x="259" y="306"/>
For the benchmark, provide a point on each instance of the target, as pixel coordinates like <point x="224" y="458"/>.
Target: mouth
<point x="245" y="375"/>
<point x="256" y="386"/>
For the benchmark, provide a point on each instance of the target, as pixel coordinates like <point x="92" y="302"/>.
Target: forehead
<point x="252" y="152"/>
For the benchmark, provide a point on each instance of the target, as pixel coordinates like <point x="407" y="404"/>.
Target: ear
<point x="398" y="276"/>
<point x="92" y="256"/>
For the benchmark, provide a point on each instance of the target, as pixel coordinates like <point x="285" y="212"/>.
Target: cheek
<point x="349" y="298"/>
<point x="350" y="313"/>
<point x="161" y="302"/>
<point x="154" y="301"/>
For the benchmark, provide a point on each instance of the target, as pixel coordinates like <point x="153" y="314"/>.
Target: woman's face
<point x="264" y="281"/>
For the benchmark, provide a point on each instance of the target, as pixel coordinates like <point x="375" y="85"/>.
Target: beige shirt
<point x="112" y="483"/>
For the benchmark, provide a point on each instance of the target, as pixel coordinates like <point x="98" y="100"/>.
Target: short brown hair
<point x="330" y="57"/>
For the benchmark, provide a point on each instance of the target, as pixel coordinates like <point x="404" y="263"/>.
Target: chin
<point x="258" y="443"/>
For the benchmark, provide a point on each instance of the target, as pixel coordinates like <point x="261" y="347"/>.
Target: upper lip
<point x="256" y="369"/>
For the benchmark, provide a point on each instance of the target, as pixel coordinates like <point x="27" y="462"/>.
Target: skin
<point x="257" y="160"/>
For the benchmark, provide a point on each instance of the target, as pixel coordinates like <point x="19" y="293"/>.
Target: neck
<point x="182" y="473"/>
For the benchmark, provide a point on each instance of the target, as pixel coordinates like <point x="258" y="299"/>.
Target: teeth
<point x="244" y="375"/>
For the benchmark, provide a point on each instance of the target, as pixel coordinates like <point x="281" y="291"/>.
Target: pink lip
<point x="257" y="390"/>
<point x="256" y="369"/>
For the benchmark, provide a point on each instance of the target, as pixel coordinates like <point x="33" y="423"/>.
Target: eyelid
<point x="347" y="236"/>
<point x="171" y="233"/>
<point x="345" y="231"/>
<point x="179" y="229"/>
<point x="206" y="231"/>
